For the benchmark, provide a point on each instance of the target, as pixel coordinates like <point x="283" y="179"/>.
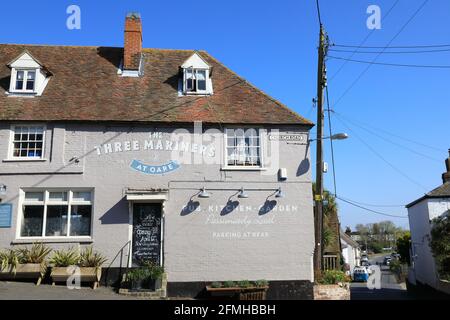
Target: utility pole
<point x="318" y="197"/>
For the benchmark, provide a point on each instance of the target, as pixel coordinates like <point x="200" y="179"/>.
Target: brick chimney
<point x="446" y="175"/>
<point x="133" y="42"/>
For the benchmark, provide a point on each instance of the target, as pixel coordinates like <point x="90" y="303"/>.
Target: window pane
<point x="80" y="221"/>
<point x="56" y="221"/>
<point x="82" y="196"/>
<point x="33" y="217"/>
<point x="19" y="80"/>
<point x="201" y="84"/>
<point x="58" y="196"/>
<point x="31" y="75"/>
<point x="28" y="141"/>
<point x="30" y="85"/>
<point x="34" y="196"/>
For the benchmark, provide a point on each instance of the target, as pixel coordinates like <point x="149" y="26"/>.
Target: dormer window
<point x="196" y="76"/>
<point x="25" y="80"/>
<point x="28" y="76"/>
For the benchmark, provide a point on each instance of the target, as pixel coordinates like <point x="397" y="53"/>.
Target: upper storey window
<point x="25" y="80"/>
<point x="196" y="76"/>
<point x="28" y="76"/>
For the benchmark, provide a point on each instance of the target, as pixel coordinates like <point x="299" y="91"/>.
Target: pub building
<point x="152" y="154"/>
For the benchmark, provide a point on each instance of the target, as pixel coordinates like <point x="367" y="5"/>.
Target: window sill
<point x="226" y="168"/>
<point x="25" y="160"/>
<point x="31" y="240"/>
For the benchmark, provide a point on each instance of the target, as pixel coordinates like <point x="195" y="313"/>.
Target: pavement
<point x="390" y="289"/>
<point x="29" y="291"/>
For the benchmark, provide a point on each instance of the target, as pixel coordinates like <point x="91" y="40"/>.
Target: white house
<point x="421" y="212"/>
<point x="350" y="251"/>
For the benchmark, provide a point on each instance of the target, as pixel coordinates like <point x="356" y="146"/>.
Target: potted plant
<point x="147" y="277"/>
<point x="241" y="290"/>
<point x="137" y="278"/>
<point x="8" y="262"/>
<point x="32" y="262"/>
<point x="88" y="263"/>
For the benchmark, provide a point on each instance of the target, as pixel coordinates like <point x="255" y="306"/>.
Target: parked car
<point x="387" y="260"/>
<point x="364" y="259"/>
<point x="361" y="274"/>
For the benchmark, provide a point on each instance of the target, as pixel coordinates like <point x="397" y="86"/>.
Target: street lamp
<point x="337" y="136"/>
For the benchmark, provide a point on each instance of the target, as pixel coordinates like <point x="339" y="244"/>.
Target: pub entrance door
<point x="146" y="238"/>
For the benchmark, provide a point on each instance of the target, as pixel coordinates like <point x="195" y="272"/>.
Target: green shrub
<point x="244" y="284"/>
<point x="440" y="244"/>
<point x="154" y="270"/>
<point x="36" y="254"/>
<point x="216" y="285"/>
<point x="137" y="274"/>
<point x="261" y="283"/>
<point x="333" y="277"/>
<point x="9" y="259"/>
<point x="229" y="284"/>
<point x="65" y="258"/>
<point x="91" y="258"/>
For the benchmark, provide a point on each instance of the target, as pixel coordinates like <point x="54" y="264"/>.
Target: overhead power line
<point x="383" y="49"/>
<point x="375" y="205"/>
<point x="392" y="142"/>
<point x="370" y="210"/>
<point x="392" y="64"/>
<point x="368" y="146"/>
<point x="393" y="47"/>
<point x="362" y="42"/>
<point x="318" y="12"/>
<point x="331" y="140"/>
<point x="440" y="150"/>
<point x="391" y="52"/>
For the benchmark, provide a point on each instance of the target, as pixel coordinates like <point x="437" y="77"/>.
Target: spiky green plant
<point x="91" y="258"/>
<point x="65" y="258"/>
<point x="9" y="260"/>
<point x="38" y="254"/>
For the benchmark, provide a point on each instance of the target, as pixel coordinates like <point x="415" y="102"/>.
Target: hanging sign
<point x="5" y="215"/>
<point x="151" y="169"/>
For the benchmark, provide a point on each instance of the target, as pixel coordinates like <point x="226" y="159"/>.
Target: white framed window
<point x="27" y="142"/>
<point x="195" y="80"/>
<point x="24" y="80"/>
<point x="56" y="213"/>
<point x="243" y="147"/>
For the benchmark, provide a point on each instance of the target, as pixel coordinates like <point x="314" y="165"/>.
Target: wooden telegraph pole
<point x="318" y="197"/>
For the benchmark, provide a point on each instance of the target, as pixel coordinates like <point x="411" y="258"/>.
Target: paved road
<point x="390" y="289"/>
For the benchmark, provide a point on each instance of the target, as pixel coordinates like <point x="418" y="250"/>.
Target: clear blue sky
<point x="273" y="45"/>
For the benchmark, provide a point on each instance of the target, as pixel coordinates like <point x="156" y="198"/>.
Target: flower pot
<point x="86" y="274"/>
<point x="238" y="293"/>
<point x="145" y="284"/>
<point x="24" y="271"/>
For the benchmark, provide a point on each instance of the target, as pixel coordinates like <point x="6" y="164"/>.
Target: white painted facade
<point x="350" y="252"/>
<point x="423" y="266"/>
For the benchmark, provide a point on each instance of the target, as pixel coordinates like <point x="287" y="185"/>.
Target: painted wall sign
<point x="151" y="169"/>
<point x="5" y="215"/>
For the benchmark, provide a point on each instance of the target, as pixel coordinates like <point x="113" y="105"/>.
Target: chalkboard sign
<point x="146" y="233"/>
<point x="5" y="215"/>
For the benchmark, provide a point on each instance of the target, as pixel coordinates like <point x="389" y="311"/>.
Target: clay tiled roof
<point x="85" y="86"/>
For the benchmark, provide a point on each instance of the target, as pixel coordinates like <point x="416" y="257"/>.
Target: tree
<point x="440" y="244"/>
<point x="403" y="245"/>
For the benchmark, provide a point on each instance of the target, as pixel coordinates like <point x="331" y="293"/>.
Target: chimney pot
<point x="446" y="175"/>
<point x="133" y="42"/>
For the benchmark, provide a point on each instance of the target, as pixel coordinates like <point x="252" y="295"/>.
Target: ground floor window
<point x="56" y="213"/>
